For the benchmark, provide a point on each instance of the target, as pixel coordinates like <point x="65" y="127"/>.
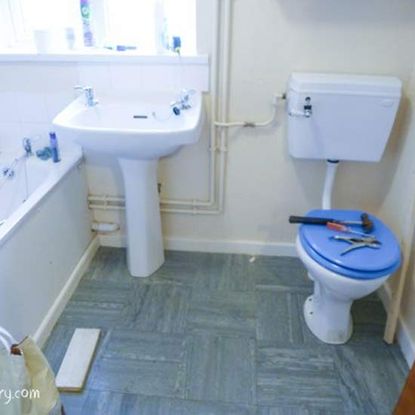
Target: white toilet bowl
<point x="340" y="277"/>
<point x="327" y="311"/>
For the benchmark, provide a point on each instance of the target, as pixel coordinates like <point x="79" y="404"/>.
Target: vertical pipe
<point x="225" y="91"/>
<point x="214" y="100"/>
<point x="329" y="183"/>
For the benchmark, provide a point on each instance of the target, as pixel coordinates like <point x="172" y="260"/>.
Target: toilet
<point x="336" y="118"/>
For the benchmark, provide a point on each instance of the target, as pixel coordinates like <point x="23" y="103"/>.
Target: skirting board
<point x="214" y="246"/>
<point x="405" y="341"/>
<point x="52" y="316"/>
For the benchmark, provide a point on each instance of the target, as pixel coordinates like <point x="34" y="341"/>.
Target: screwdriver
<point x="343" y="228"/>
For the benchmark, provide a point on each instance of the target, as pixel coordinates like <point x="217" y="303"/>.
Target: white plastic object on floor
<point x="105" y="227"/>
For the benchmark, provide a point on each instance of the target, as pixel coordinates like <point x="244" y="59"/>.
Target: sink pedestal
<point x="145" y="252"/>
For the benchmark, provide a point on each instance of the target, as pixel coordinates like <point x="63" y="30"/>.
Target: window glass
<point x="149" y="25"/>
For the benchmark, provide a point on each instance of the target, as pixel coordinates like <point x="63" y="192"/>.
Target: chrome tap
<point x="90" y="100"/>
<point x="27" y="146"/>
<point x="183" y="103"/>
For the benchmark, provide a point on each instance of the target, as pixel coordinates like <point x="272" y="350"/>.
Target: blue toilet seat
<point x="364" y="263"/>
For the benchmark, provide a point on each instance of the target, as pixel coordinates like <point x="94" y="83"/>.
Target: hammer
<point x="366" y="224"/>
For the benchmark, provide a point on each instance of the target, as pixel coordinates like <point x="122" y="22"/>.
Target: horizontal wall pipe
<point x="121" y="206"/>
<point x="101" y="202"/>
<point x="255" y="124"/>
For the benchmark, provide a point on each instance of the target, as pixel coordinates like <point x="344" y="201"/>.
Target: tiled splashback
<point x="31" y="94"/>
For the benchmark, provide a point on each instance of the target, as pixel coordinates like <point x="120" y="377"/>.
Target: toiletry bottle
<point x="176" y="45"/>
<point x="86" y="23"/>
<point x="54" y="147"/>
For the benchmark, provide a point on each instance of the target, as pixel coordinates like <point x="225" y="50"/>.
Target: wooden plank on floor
<point x="77" y="361"/>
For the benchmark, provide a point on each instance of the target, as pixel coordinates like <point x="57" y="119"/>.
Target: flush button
<point x="386" y="102"/>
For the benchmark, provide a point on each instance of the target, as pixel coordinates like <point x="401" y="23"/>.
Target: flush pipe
<point x="331" y="171"/>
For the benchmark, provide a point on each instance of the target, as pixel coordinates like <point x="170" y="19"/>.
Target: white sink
<point x="137" y="131"/>
<point x="140" y="128"/>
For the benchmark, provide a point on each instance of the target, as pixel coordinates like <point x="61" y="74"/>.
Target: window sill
<point x="99" y="56"/>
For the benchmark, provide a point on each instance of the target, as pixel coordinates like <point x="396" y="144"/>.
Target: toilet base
<point x="333" y="327"/>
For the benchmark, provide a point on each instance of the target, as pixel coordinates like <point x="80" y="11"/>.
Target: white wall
<point x="397" y="210"/>
<point x="270" y="39"/>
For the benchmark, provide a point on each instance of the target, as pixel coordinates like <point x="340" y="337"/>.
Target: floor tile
<point x="109" y="264"/>
<point x="117" y="403"/>
<point x="221" y="272"/>
<point x="280" y="271"/>
<point x="297" y="376"/>
<point x="179" y="268"/>
<point x="74" y="402"/>
<point x="103" y="291"/>
<point x="282" y="410"/>
<point x="161" y="307"/>
<point x="148" y="377"/>
<point x="294" y="410"/>
<point x="223" y="312"/>
<point x="94" y="314"/>
<point x="370" y="378"/>
<point x="368" y="311"/>
<point x="221" y="369"/>
<point x="278" y="322"/>
<point x="138" y="345"/>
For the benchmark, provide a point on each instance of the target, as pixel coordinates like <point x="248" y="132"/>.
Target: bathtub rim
<point x="58" y="171"/>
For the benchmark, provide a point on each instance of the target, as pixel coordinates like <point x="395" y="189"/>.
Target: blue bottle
<point x="54" y="147"/>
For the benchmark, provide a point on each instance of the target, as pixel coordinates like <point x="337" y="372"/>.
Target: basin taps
<point x="183" y="103"/>
<point x="27" y="146"/>
<point x="90" y="100"/>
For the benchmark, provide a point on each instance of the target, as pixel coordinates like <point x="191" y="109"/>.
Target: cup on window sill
<point x="43" y="40"/>
<point x="70" y="37"/>
<point x="49" y="40"/>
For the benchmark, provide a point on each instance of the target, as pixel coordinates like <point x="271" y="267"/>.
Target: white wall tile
<point x="95" y="75"/>
<point x="160" y="77"/>
<point x="126" y="78"/>
<point x="195" y="77"/>
<point x="32" y="107"/>
<point x="10" y="137"/>
<point x="8" y="107"/>
<point x="56" y="102"/>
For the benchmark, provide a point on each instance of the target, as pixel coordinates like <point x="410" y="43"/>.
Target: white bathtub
<point x="45" y="232"/>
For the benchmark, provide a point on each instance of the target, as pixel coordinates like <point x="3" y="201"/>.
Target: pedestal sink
<point x="137" y="131"/>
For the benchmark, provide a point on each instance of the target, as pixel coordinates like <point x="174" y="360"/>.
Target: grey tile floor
<point x="215" y="334"/>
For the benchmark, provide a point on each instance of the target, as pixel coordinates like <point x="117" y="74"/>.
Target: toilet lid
<point x="364" y="263"/>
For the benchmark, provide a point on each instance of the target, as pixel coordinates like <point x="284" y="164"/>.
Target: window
<point x="147" y="25"/>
